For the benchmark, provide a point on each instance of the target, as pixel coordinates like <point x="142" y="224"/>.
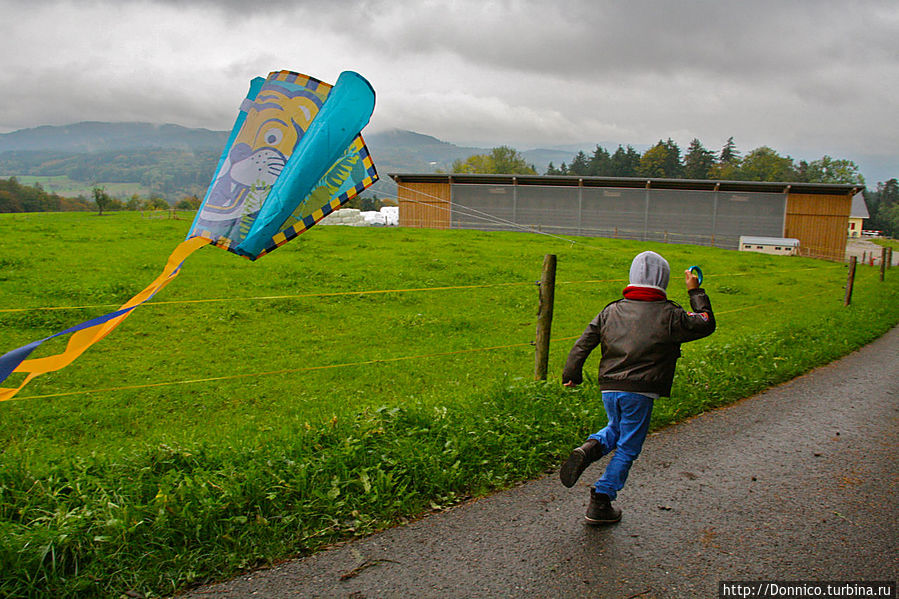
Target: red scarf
<point x="644" y="294"/>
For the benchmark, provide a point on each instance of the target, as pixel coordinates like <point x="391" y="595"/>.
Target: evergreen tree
<point x="698" y="161"/>
<point x="883" y="206"/>
<point x="728" y="164"/>
<point x="600" y="163"/>
<point x="579" y="165"/>
<point x="624" y="163"/>
<point x="889" y="193"/>
<point x="551" y="170"/>
<point x="729" y="153"/>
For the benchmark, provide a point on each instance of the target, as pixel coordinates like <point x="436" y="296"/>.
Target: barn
<point x="703" y="212"/>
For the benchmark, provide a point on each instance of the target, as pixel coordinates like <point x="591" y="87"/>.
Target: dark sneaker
<point x="578" y="461"/>
<point x="600" y="510"/>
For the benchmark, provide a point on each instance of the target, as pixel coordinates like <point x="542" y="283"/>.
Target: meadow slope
<point x="352" y="379"/>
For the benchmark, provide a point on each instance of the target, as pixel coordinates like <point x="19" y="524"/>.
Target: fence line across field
<point x="364" y="362"/>
<point x="351" y="293"/>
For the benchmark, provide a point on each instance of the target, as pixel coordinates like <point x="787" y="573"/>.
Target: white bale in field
<point x="345" y="216"/>
<point x="373" y="217"/>
<point x="391" y="215"/>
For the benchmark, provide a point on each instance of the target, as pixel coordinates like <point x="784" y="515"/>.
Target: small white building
<point x="781" y="246"/>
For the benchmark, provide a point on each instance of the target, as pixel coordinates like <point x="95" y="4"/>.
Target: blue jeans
<point x="628" y="415"/>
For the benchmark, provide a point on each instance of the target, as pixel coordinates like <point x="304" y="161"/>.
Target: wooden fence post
<point x="850" y="281"/>
<point x="890" y="257"/>
<point x="883" y="262"/>
<point x="545" y="316"/>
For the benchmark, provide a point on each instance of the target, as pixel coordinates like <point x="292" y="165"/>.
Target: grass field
<point x="69" y="188"/>
<point x="884" y="242"/>
<point x="340" y="385"/>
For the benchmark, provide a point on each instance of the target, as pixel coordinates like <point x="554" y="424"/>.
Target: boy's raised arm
<point x="699" y="323"/>
<point x="573" y="374"/>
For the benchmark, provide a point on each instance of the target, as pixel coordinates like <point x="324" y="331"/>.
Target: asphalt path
<point x="800" y="483"/>
<point x="862" y="248"/>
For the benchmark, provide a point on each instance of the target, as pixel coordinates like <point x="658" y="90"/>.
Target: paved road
<point x="863" y="248"/>
<point x="797" y="483"/>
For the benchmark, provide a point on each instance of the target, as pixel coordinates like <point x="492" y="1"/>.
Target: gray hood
<point x="650" y="270"/>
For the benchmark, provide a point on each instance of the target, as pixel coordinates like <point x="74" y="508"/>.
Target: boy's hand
<point x="569" y="384"/>
<point x="691" y="279"/>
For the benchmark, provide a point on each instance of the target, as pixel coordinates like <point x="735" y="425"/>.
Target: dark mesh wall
<point x="551" y="209"/>
<point x="760" y="214"/>
<point x="679" y="216"/>
<point x="674" y="216"/>
<point x="485" y="207"/>
<point x="617" y="213"/>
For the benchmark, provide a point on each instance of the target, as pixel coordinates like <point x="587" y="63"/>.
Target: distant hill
<point x="174" y="161"/>
<point x="100" y="137"/>
<point x="397" y="150"/>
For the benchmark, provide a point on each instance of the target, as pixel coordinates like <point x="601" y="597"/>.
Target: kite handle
<point x="698" y="272"/>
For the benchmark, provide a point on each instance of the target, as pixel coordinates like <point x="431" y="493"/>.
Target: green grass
<point x="69" y="188"/>
<point x="154" y="488"/>
<point x="884" y="242"/>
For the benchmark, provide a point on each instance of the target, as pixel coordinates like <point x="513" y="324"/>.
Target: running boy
<point x="640" y="339"/>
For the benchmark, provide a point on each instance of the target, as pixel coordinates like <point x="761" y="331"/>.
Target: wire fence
<point x="168" y="213"/>
<point x="397" y="359"/>
<point x="462" y="212"/>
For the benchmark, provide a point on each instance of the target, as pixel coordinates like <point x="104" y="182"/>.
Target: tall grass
<point x="154" y="488"/>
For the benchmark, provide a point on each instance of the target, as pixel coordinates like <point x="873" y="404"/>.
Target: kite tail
<point x="89" y="332"/>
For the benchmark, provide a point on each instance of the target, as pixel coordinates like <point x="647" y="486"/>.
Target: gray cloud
<point x="807" y="77"/>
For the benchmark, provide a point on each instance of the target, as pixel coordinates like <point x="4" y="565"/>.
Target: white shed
<point x="782" y="246"/>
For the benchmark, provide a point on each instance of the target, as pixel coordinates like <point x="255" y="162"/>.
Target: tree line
<point x="883" y="206"/>
<point x="665" y="161"/>
<point x="103" y="201"/>
<point x="16" y="197"/>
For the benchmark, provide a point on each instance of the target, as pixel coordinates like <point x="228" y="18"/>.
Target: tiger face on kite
<point x="284" y="116"/>
<point x="293" y="156"/>
<point x="276" y="121"/>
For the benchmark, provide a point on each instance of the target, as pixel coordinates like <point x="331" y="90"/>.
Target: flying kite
<point x="294" y="155"/>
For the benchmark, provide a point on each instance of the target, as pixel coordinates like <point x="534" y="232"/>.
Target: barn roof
<point x="631" y="182"/>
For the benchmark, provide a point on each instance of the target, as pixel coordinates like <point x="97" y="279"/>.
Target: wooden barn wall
<point x="425" y="205"/>
<point x="819" y="223"/>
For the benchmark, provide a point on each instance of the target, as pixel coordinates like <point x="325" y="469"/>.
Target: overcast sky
<point x="806" y="77"/>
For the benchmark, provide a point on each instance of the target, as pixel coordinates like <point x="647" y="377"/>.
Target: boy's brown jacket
<point x="640" y="342"/>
